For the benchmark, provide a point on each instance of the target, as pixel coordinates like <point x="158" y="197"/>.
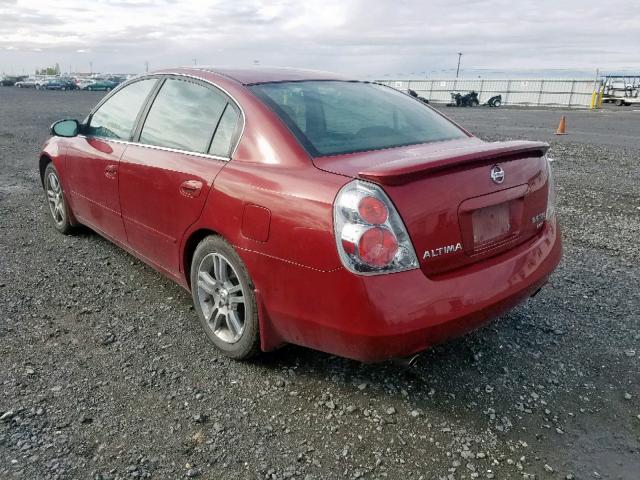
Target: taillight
<point x="372" y="210"/>
<point x="377" y="246"/>
<point x="370" y="235"/>
<point x="551" y="191"/>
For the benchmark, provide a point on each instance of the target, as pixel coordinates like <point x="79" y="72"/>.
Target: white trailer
<point x="621" y="90"/>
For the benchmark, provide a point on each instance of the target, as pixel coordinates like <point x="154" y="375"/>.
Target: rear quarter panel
<point x="300" y="203"/>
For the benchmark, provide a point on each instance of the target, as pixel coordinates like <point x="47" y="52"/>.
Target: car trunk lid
<point x="454" y="209"/>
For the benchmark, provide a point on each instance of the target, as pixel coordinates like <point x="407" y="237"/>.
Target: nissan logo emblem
<point x="497" y="174"/>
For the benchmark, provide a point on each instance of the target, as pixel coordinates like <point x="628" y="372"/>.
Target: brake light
<point x="372" y="210"/>
<point x="377" y="246"/>
<point x="370" y="235"/>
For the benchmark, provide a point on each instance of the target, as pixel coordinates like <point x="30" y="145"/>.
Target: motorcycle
<point x="494" y="101"/>
<point x="414" y="94"/>
<point x="468" y="100"/>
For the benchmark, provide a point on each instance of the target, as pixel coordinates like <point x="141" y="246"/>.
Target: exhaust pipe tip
<point x="538" y="290"/>
<point x="410" y="361"/>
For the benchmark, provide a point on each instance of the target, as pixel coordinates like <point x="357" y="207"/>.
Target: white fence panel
<point x="533" y="92"/>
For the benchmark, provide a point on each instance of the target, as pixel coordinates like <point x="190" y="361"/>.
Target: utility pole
<point x="458" y="69"/>
<point x="195" y="61"/>
<point x="90" y="68"/>
<point x="146" y="67"/>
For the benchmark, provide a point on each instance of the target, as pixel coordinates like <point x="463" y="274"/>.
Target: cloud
<point x="367" y="38"/>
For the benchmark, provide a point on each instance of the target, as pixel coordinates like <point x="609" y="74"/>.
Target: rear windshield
<point x="337" y="117"/>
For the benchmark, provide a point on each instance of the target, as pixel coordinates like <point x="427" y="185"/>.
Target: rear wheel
<point x="497" y="103"/>
<point x="55" y="200"/>
<point x="619" y="103"/>
<point x="224" y="298"/>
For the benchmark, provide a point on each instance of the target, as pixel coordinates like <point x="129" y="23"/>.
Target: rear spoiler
<point x="404" y="170"/>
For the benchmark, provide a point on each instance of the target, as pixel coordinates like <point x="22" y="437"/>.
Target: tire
<point x="619" y="103"/>
<point x="56" y="202"/>
<point x="497" y="103"/>
<point x="218" y="280"/>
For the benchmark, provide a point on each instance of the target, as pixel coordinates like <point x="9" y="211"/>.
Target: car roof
<point x="253" y="75"/>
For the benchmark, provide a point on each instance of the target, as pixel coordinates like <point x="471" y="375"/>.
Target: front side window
<point x="116" y="117"/>
<point x="183" y="116"/>
<point x="338" y="117"/>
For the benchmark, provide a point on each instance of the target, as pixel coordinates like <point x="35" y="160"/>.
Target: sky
<point x="367" y="39"/>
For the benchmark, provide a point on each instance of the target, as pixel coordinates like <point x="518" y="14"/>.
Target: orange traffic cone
<point x="562" y="126"/>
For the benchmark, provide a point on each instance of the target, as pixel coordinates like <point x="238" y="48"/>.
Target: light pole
<point x="458" y="69"/>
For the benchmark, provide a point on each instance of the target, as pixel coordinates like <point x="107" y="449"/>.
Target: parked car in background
<point x="52" y="84"/>
<point x="68" y="83"/>
<point x="115" y="79"/>
<point x="29" y="82"/>
<point x="300" y="207"/>
<point x="59" y="83"/>
<point x="42" y="81"/>
<point x="104" y="85"/>
<point x="82" y="82"/>
<point x="11" y="80"/>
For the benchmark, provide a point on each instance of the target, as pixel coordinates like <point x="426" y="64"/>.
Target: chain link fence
<point x="545" y="92"/>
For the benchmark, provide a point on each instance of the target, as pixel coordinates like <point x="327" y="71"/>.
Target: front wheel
<point x="224" y="298"/>
<point x="497" y="103"/>
<point x="55" y="200"/>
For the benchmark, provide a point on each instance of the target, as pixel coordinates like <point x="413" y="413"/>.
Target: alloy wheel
<point x="221" y="298"/>
<point x="56" y="199"/>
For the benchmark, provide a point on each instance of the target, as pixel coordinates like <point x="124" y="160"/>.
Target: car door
<point x="183" y="141"/>
<point x="92" y="158"/>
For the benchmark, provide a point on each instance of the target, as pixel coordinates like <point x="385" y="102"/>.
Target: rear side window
<point x="337" y="117"/>
<point x="115" y="117"/>
<point x="224" y="135"/>
<point x="184" y="116"/>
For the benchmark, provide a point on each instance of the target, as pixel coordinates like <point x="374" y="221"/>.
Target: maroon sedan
<point x="299" y="207"/>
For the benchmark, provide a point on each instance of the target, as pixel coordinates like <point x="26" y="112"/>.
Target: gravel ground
<point x="106" y="374"/>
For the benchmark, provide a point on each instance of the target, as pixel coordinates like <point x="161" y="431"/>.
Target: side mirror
<point x="65" y="128"/>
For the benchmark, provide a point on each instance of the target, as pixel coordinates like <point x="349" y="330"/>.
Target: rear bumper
<point x="380" y="317"/>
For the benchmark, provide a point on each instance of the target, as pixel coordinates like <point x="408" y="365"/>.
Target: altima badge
<point x="497" y="174"/>
<point x="436" y="252"/>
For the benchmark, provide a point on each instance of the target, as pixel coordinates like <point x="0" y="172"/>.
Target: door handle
<point x="191" y="188"/>
<point x="110" y="171"/>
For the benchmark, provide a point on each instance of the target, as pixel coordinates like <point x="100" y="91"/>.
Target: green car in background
<point x="105" y="85"/>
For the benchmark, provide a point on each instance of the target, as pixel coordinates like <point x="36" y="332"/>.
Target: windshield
<point x="337" y="117"/>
